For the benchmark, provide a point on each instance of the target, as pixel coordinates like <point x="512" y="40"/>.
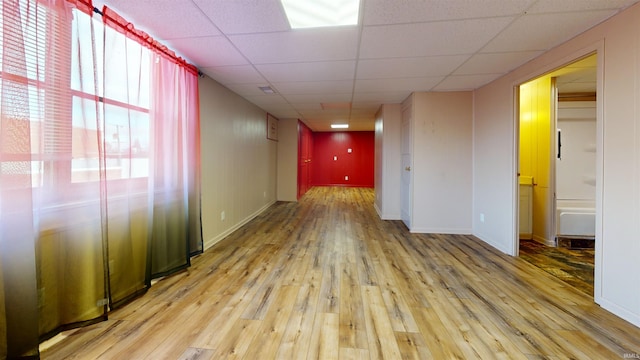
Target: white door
<point x="407" y="162"/>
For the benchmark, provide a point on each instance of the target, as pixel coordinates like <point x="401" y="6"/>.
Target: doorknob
<point x="408" y="168"/>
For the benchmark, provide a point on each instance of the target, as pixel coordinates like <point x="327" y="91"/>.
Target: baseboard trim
<point x="386" y="216"/>
<point x="461" y="231"/>
<point x="545" y="241"/>
<point x="209" y="243"/>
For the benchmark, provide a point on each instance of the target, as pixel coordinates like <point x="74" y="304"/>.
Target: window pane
<point x="125" y="139"/>
<point x="124" y="131"/>
<point x="84" y="159"/>
<point x="127" y="64"/>
<point x="82" y="64"/>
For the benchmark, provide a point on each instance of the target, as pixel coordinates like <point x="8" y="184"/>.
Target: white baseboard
<point x="384" y="216"/>
<point x="209" y="243"/>
<point x="543" y="240"/>
<point x="619" y="311"/>
<point x="456" y="231"/>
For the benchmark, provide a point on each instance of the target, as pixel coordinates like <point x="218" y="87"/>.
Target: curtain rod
<point x="98" y="11"/>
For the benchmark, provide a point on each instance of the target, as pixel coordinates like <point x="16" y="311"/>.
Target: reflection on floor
<point x="573" y="266"/>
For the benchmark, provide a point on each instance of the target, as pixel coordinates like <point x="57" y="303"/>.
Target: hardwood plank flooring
<point x="325" y="278"/>
<point x="573" y="266"/>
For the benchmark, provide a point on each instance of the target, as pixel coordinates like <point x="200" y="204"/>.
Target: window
<point x="123" y="104"/>
<point x="68" y="129"/>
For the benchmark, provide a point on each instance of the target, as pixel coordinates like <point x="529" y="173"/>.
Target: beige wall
<point x="388" y="166"/>
<point x="238" y="162"/>
<point x="442" y="158"/>
<point x="617" y="284"/>
<point x="288" y="160"/>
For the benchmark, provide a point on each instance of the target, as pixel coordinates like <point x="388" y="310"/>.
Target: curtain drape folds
<point x="99" y="168"/>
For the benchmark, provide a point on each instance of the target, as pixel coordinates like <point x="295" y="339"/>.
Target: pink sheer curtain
<point x="175" y="171"/>
<point x="99" y="167"/>
<point x="162" y="215"/>
<point x="50" y="230"/>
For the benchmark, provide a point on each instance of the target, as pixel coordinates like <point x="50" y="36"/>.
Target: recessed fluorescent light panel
<point x="321" y="13"/>
<point x="339" y="126"/>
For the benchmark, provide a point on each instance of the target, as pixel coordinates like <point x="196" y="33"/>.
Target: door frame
<point x="597" y="49"/>
<point x="406" y="162"/>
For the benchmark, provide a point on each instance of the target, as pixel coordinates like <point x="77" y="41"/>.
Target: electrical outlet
<point x="481" y="217"/>
<point x="264" y="194"/>
<point x="222" y="216"/>
<point x="346" y="178"/>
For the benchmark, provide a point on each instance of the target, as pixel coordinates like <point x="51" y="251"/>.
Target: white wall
<point x="617" y="284"/>
<point x="238" y="162"/>
<point x="287" y="181"/>
<point x="442" y="158"/>
<point x="388" y="166"/>
<point x="576" y="168"/>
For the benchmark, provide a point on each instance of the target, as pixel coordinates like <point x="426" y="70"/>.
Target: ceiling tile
<point x="363" y="113"/>
<point x="208" y="51"/>
<point x="495" y="63"/>
<point x="245" y="16"/>
<point x="299" y="45"/>
<point x="308" y="71"/>
<point x="319" y="98"/>
<point x="165" y="19"/>
<point x="401" y="46"/>
<point x="429" y="39"/>
<point x="267" y="102"/>
<point x="365" y="106"/>
<point x="408" y="67"/>
<point x="331" y="113"/>
<point x="241" y="74"/>
<point x="544" y="31"/>
<point x="248" y="89"/>
<point x="308" y="106"/>
<point x="547" y="6"/>
<point x="398" y="84"/>
<point x="381" y="97"/>
<point x="464" y="82"/>
<point x="314" y="87"/>
<point x="286" y="114"/>
<point x="383" y="12"/>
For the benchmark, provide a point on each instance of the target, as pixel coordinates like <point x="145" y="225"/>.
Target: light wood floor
<point x="325" y="278"/>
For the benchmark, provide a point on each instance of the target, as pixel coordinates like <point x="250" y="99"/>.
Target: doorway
<point x="557" y="172"/>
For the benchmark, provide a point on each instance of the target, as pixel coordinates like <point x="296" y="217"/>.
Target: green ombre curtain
<point x="99" y="168"/>
<point x="158" y="219"/>
<point x="50" y="225"/>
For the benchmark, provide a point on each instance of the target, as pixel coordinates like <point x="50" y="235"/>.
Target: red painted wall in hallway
<point x="357" y="165"/>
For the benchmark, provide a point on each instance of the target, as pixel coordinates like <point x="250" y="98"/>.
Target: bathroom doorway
<point x="557" y="172"/>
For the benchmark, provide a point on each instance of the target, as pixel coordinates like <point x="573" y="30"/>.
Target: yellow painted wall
<point x="535" y="148"/>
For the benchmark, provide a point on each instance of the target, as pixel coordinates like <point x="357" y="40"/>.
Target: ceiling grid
<point x="397" y="48"/>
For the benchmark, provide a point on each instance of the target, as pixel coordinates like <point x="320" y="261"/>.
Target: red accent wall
<point x="357" y="165"/>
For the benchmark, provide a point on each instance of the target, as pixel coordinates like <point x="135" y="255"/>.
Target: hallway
<point x="326" y="278"/>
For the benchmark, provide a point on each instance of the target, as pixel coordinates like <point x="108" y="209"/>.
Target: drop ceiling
<point x="399" y="46"/>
